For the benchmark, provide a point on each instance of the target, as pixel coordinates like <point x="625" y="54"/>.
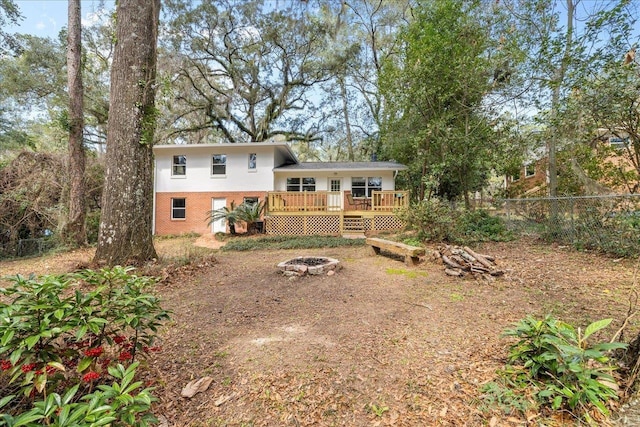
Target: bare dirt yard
<point x="376" y="344"/>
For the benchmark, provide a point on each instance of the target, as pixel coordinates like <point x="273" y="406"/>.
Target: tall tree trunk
<point x="347" y="122"/>
<point x="75" y="231"/>
<point x="127" y="202"/>
<point x="558" y="79"/>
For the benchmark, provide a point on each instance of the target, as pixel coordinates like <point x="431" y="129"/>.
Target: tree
<point x="377" y="24"/>
<point x="247" y="69"/>
<point x="611" y="107"/>
<point x="361" y="36"/>
<point x="561" y="50"/>
<point x="433" y="102"/>
<point x="32" y="96"/>
<point x="126" y="223"/>
<point x="75" y="231"/>
<point x="9" y="14"/>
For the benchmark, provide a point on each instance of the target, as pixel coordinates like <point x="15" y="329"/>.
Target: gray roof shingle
<point x="323" y="166"/>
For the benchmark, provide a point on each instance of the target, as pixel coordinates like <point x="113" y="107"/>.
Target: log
<point x="478" y="269"/>
<point x="459" y="259"/>
<point x="451" y="263"/>
<point x="496" y="273"/>
<point x="452" y="272"/>
<point x="464" y="255"/>
<point x="479" y="258"/>
<point x="488" y="257"/>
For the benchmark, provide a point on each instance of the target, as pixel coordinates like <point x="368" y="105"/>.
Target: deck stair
<point x="353" y="226"/>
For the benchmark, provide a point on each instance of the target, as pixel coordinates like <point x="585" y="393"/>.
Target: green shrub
<point x="479" y="226"/>
<point x="436" y="220"/>
<point x="120" y="403"/>
<point x="433" y="220"/>
<point x="553" y="362"/>
<point x="289" y="242"/>
<point x="54" y="337"/>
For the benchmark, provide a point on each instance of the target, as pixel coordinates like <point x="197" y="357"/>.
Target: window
<point x="219" y="164"/>
<point x="515" y="177"/>
<point x="363" y="187"/>
<point x="529" y="170"/>
<point x="301" y="184"/>
<point x="252" y="161"/>
<point x="179" y="166"/>
<point x="308" y="184"/>
<point x="178" y="208"/>
<point x="619" y="143"/>
<point x="250" y="200"/>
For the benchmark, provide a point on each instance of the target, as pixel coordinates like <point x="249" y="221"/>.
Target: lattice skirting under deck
<point x="326" y="224"/>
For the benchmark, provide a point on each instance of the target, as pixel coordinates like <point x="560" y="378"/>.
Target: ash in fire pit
<point x="308" y="265"/>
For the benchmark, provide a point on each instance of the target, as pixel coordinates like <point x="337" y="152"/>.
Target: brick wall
<point x="197" y="207"/>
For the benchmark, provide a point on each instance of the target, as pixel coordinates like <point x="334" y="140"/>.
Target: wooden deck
<point x="325" y="212"/>
<point x="280" y="202"/>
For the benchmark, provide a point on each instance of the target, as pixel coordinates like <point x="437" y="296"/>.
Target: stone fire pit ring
<point x="313" y="265"/>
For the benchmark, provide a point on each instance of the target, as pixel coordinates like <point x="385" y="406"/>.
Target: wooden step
<point x="353" y="224"/>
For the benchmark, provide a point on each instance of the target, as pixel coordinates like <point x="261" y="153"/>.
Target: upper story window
<point x="301" y="184"/>
<point x="253" y="157"/>
<point x="179" y="166"/>
<point x="529" y="170"/>
<point x="219" y="164"/>
<point x="178" y="208"/>
<point x="364" y="186"/>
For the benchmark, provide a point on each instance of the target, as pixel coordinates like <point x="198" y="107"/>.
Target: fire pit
<point x="309" y="265"/>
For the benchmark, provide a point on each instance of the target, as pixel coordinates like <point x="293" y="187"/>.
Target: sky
<point x="45" y="18"/>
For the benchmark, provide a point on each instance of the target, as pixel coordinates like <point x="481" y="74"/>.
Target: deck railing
<point x="334" y="201"/>
<point x="389" y="200"/>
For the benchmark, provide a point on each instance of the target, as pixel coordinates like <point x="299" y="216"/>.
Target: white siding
<point x="322" y="178"/>
<point x="198" y="177"/>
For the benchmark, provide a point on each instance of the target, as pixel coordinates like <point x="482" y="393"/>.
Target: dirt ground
<point x="376" y="344"/>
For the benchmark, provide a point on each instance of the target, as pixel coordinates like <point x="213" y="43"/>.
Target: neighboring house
<point x="531" y="179"/>
<point x="301" y="198"/>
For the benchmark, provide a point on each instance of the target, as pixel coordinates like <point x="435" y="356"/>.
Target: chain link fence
<point x="26" y="247"/>
<point x="607" y="223"/>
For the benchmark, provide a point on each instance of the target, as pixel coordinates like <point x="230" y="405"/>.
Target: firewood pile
<point x="460" y="261"/>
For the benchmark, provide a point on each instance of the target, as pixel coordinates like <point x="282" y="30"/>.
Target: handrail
<point x="332" y="201"/>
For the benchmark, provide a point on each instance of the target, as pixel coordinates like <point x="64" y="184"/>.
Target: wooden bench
<point x="410" y="253"/>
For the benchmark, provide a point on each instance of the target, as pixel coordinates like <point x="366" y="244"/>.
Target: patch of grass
<point x="409" y="273"/>
<point x="378" y="410"/>
<point x="177" y="236"/>
<point x="456" y="297"/>
<point x="289" y="242"/>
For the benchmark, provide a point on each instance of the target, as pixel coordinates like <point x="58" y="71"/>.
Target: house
<point x="530" y="180"/>
<point x="615" y="152"/>
<point x="301" y="198"/>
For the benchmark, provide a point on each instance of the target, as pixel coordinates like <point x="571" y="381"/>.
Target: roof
<point x="351" y="166"/>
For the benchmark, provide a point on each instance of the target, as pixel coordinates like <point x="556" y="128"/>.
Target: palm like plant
<point x="229" y="215"/>
<point x="249" y="213"/>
